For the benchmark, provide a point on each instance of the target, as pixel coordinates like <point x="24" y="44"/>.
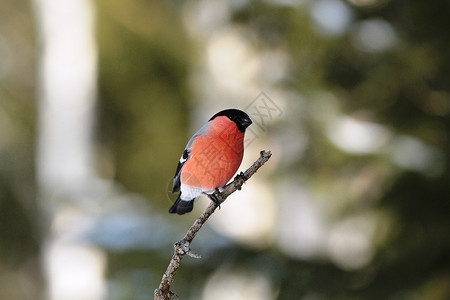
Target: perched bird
<point x="210" y="159"/>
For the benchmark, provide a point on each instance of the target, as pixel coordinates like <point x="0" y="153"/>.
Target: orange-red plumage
<point x="211" y="158"/>
<point x="218" y="155"/>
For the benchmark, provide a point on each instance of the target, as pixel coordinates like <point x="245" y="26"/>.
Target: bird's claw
<point x="242" y="177"/>
<point x="214" y="198"/>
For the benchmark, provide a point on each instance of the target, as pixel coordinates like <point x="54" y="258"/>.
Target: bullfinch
<point x="210" y="159"/>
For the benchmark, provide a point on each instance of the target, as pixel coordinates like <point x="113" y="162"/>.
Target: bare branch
<point x="183" y="247"/>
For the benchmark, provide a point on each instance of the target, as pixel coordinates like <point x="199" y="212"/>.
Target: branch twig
<point x="183" y="247"/>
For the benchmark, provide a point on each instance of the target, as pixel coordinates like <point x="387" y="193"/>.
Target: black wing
<point x="177" y="177"/>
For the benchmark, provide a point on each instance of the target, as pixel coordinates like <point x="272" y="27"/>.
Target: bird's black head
<point x="239" y="117"/>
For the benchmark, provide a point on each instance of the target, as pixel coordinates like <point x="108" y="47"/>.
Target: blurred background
<point x="98" y="99"/>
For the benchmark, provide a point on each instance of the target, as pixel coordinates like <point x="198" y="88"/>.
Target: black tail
<point x="181" y="207"/>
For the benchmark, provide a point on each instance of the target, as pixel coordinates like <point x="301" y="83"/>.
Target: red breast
<point x="216" y="156"/>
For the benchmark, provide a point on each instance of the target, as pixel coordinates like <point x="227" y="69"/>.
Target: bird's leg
<point x="214" y="198"/>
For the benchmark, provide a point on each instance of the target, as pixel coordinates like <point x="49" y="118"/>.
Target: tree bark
<point x="182" y="247"/>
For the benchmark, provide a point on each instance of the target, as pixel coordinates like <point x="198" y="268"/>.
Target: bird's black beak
<point x="246" y="122"/>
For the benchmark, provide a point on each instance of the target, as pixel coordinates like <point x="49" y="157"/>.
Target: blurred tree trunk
<point x="67" y="95"/>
